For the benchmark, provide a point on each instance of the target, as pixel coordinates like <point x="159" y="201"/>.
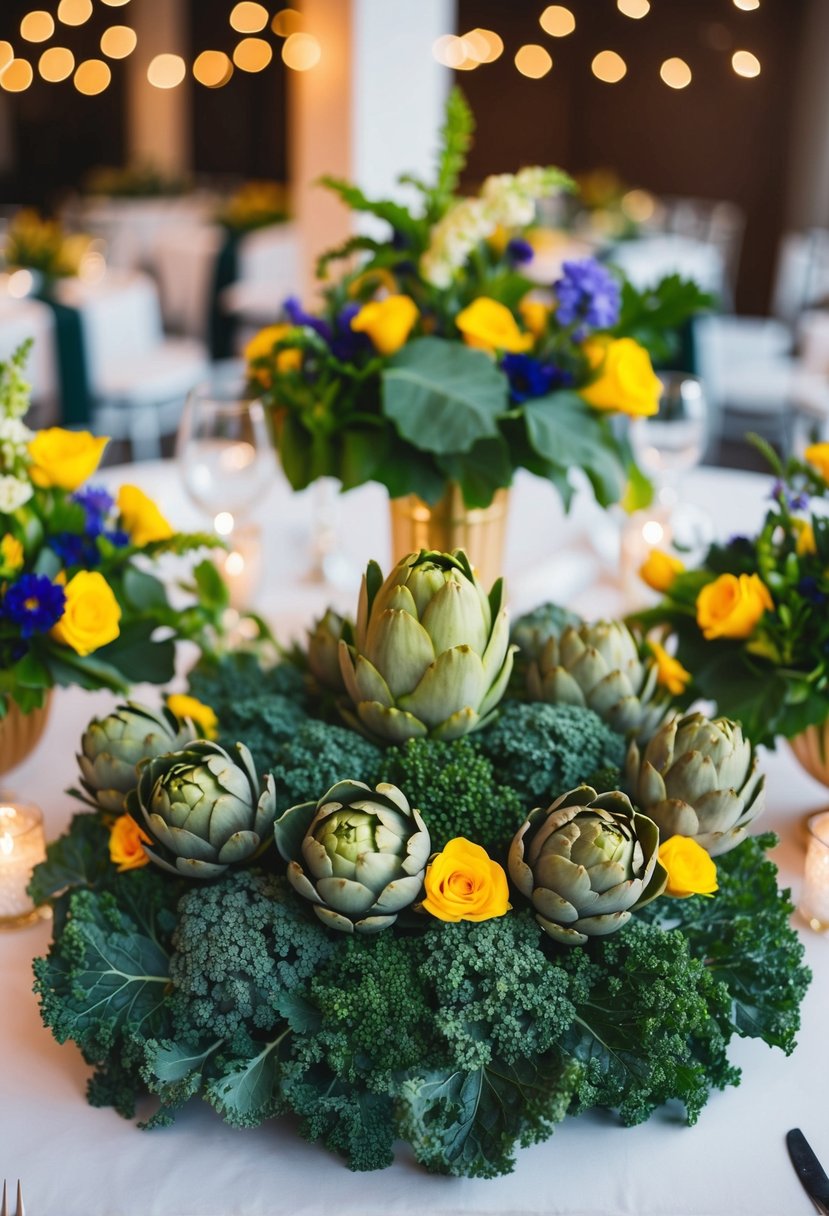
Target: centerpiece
<point x="424" y="881"/>
<point x="436" y="367"/>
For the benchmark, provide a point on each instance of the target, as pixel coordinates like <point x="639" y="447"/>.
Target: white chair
<point x="185" y="263"/>
<point x="269" y="271"/>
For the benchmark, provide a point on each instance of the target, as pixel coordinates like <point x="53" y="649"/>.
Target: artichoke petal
<point x="674" y="817"/>
<point x="497" y="647"/>
<point x="180" y="841"/>
<point x="400" y="893"/>
<point x="553" y="906"/>
<point x="300" y="883"/>
<point x="454" y="681"/>
<point x="400" y="649"/>
<point x="499" y="685"/>
<point x="599" y="926"/>
<point x="453" y="617"/>
<point x="239" y="847"/>
<point x="373" y="924"/>
<point x="457" y="725"/>
<point x="718" y="811"/>
<point x="333" y="920"/>
<point x="690" y="776"/>
<point x="345" y="895"/>
<point x="393" y="725"/>
<point x="369" y="684"/>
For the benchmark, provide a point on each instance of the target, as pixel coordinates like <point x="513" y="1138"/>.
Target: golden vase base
<point x="448" y="525"/>
<point x="811" y="750"/>
<point x="24" y="919"/>
<point x="20" y="733"/>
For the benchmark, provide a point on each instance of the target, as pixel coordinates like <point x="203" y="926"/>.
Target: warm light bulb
<point x="6" y="54"/>
<point x="166" y="71"/>
<point x="38" y="26"/>
<point x="652" y="531"/>
<point x="248" y="18"/>
<point x="557" y="21"/>
<point x="301" y="52"/>
<point x="634" y="8"/>
<point x="223" y="523"/>
<point x="675" y="73"/>
<point x="747" y="5"/>
<point x="17" y="76"/>
<point x="745" y="64"/>
<point x="56" y="64"/>
<point x="118" y="41"/>
<point x="483" y="45"/>
<point x="533" y="60"/>
<point x="115" y="3"/>
<point x="253" y="54"/>
<point x="608" y="67"/>
<point x="92" y="77"/>
<point x="213" y="69"/>
<point x="448" y="50"/>
<point x="74" y="12"/>
<point x="286" y="22"/>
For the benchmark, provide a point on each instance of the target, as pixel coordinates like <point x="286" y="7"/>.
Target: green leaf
<point x="137" y="657"/>
<point x="294" y="451"/>
<point x="564" y="431"/>
<point x="143" y="590"/>
<point x="442" y="396"/>
<point x="248" y="1091"/>
<point x="211" y="587"/>
<point x="398" y="216"/>
<point x="171" y="1062"/>
<point x="363" y="452"/>
<point x="77" y="859"/>
<point x="485" y="468"/>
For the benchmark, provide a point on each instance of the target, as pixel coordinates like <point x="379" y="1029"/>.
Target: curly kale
<point x="454" y="787"/>
<point x="316" y="757"/>
<point x="544" y="750"/>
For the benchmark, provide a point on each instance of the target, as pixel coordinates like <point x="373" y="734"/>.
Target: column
<point x="158" y="120"/>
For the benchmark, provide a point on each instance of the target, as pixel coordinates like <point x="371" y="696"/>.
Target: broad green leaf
<point x="485" y="468"/>
<point x="143" y="590"/>
<point x="248" y="1092"/>
<point x="137" y="657"/>
<point x="564" y="430"/>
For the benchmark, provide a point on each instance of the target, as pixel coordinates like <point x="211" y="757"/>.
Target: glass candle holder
<point x="814" y="896"/>
<point x="22" y="846"/>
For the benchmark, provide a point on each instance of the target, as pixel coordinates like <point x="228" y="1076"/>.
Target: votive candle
<point x="814" y="898"/>
<point x="22" y="846"/>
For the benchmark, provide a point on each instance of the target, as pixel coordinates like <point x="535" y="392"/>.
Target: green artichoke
<point x="358" y="855"/>
<point x="586" y="863"/>
<point x="324" y="649"/>
<point x="204" y="808"/>
<point x="700" y="778"/>
<point x="112" y="747"/>
<point x="532" y="631"/>
<point x="431" y="653"/>
<point x="600" y="665"/>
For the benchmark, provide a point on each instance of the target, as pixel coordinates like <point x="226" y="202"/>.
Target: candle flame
<point x="6" y="843"/>
<point x="8" y="812"/>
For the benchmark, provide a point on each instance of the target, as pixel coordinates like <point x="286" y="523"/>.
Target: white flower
<point x="13" y="493"/>
<point x="14" y="440"/>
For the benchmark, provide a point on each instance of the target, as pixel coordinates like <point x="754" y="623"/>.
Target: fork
<point x="19" y="1209"/>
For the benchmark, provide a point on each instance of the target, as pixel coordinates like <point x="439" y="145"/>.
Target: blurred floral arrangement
<point x="78" y="601"/>
<point x="135" y="181"/>
<point x="41" y="245"/>
<point x="609" y="209"/>
<point x="750" y="624"/>
<point x="435" y="360"/>
<point x="255" y="205"/>
<point x="420" y="900"/>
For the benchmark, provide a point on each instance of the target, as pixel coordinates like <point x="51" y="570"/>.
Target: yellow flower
<point x="626" y="381"/>
<point x="198" y="713"/>
<point x="690" y="869"/>
<point x="659" y="569"/>
<point x="731" y="606"/>
<point x="141" y="517"/>
<point x="91" y="615"/>
<point x="490" y="326"/>
<point x="535" y="314"/>
<point x="669" y="671"/>
<point x="64" y="458"/>
<point x="805" y="544"/>
<point x="464" y="883"/>
<point x="11" y="554"/>
<point x="817" y="454"/>
<point x="262" y="345"/>
<point x="126" y="844"/>
<point x="388" y="322"/>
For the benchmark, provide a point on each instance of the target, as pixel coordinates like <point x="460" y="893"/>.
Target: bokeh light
<point x="634" y="8"/>
<point x="56" y="63"/>
<point x="608" y="66"/>
<point x="557" y="21"/>
<point x="16" y="76"/>
<point x="675" y="73"/>
<point x="92" y="77"/>
<point x="301" y="52"/>
<point x="166" y="71"/>
<point x="6" y="54"/>
<point x="638" y="205"/>
<point x="74" y="12"/>
<point x="484" y="46"/>
<point x="115" y="3"/>
<point x="533" y="60"/>
<point x="213" y="69"/>
<point x="248" y="18"/>
<point x="38" y="26"/>
<point x="745" y="64"/>
<point x="286" y="22"/>
<point x="747" y="5"/>
<point x="252" y="54"/>
<point x="118" y="41"/>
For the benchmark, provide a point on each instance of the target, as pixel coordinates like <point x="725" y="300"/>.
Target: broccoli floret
<point x="454" y="787"/>
<point x="544" y="750"/>
<point x="316" y="757"/>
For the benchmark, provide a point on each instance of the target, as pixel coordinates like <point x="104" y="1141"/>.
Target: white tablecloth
<point x="76" y="1161"/>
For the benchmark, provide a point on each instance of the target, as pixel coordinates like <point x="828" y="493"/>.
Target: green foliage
<point x="455" y="140"/>
<point x="565" y="433"/>
<point x="545" y="750"/>
<point x="654" y="316"/>
<point x="316" y="757"/>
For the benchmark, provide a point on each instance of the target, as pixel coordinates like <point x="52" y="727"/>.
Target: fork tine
<point x="4" y="1210"/>
<point x="21" y="1211"/>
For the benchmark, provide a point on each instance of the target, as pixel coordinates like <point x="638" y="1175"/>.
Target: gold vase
<point x="20" y="733"/>
<point x="811" y="749"/>
<point x="449" y="524"/>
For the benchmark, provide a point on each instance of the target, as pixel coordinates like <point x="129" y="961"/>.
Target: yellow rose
<point x="626" y="381"/>
<point x="126" y="844"/>
<point x="200" y="714"/>
<point x="141" y="517"/>
<point x="91" y="615"/>
<point x="388" y="322"/>
<point x="731" y="606"/>
<point x="535" y="314"/>
<point x="690" y="869"/>
<point x="805" y="544"/>
<point x="11" y="554"/>
<point x="817" y="454"/>
<point x="490" y="326"/>
<point x="262" y="345"/>
<point x="64" y="458"/>
<point x="669" y="671"/>
<point x="659" y="569"/>
<point x="464" y="883"/>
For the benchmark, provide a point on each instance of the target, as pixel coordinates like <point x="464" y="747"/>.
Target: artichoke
<point x="431" y="653"/>
<point x="204" y="808"/>
<point x="359" y="855"/>
<point x="586" y="863"/>
<point x="111" y="748"/>
<point x="532" y="631"/>
<point x="324" y="649"/>
<point x="600" y="665"/>
<point x="699" y="778"/>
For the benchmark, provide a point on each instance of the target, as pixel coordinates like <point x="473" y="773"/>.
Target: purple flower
<point x="529" y="377"/>
<point x="795" y="502"/>
<point x="97" y="504"/>
<point x="75" y="550"/>
<point x="118" y="538"/>
<point x="297" y="315"/>
<point x="808" y="588"/>
<point x="346" y="344"/>
<point x="34" y="603"/>
<point x="588" y="296"/>
<point x="519" y="251"/>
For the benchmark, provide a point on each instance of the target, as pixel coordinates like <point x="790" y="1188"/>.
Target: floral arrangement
<point x="417" y="902"/>
<point x="255" y="205"/>
<point x="750" y="622"/>
<point x="135" y="181"/>
<point x="435" y="360"/>
<point x="42" y="245"/>
<point x="78" y="601"/>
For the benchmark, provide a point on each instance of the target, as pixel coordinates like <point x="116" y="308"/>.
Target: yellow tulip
<point x="805" y="544"/>
<point x="141" y="517"/>
<point x="126" y="844"/>
<point x="91" y="617"/>
<point x="261" y="346"/>
<point x="626" y="381"/>
<point x="464" y="883"/>
<point x="65" y="459"/>
<point x="659" y="569"/>
<point x="669" y="671"/>
<point x="817" y="455"/>
<point x="201" y="715"/>
<point x="387" y="322"/>
<point x="535" y="314"/>
<point x="11" y="554"/>
<point x="690" y="869"/>
<point x="490" y="326"/>
<point x="731" y="606"/>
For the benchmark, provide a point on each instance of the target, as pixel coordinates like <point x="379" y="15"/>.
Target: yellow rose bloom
<point x="11" y="554"/>
<point x="535" y="314"/>
<point x="262" y="344"/>
<point x="490" y="326"/>
<point x="805" y="544"/>
<point x="691" y="870"/>
<point x="91" y="617"/>
<point x="669" y="671"/>
<point x="464" y="883"/>
<point x="626" y="381"/>
<point x="387" y="322"/>
<point x="817" y="455"/>
<point x="659" y="569"/>
<point x="126" y="844"/>
<point x="731" y="606"/>
<point x="141" y="517"/>
<point x="65" y="459"/>
<point x="200" y="714"/>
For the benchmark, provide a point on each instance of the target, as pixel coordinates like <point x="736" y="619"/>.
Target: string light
<point x="92" y="77"/>
<point x="533" y="60"/>
<point x="248" y="18"/>
<point x="747" y="6"/>
<point x="118" y="41"/>
<point x="17" y="76"/>
<point x="745" y="64"/>
<point x="675" y="73"/>
<point x="286" y="22"/>
<point x="252" y="54"/>
<point x="115" y="3"/>
<point x="55" y="64"/>
<point x="634" y="8"/>
<point x="301" y="52"/>
<point x="38" y="26"/>
<point x="608" y="67"/>
<point x="213" y="69"/>
<point x="482" y="46"/>
<point x="6" y="54"/>
<point x="74" y="12"/>
<point x="557" y="21"/>
<point x="166" y="71"/>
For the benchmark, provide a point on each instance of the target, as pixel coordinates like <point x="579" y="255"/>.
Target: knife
<point x="808" y="1169"/>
